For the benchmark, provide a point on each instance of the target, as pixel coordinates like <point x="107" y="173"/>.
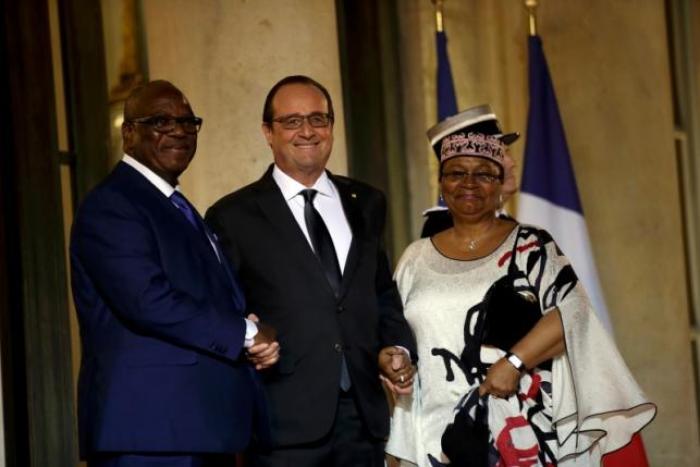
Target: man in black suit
<point x="307" y="246"/>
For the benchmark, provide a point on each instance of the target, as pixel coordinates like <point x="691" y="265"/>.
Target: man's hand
<point x="265" y="350"/>
<point x="396" y="370"/>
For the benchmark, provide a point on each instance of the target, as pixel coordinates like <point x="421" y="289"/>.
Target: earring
<point x="500" y="200"/>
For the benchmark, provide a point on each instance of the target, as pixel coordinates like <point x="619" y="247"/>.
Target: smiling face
<point x="301" y="153"/>
<point x="166" y="154"/>
<point x="472" y="196"/>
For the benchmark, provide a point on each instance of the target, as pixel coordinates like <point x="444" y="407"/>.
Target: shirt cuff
<point x="408" y="352"/>
<point x="251" y="330"/>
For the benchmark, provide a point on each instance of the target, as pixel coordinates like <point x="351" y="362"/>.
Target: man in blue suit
<point x="167" y="375"/>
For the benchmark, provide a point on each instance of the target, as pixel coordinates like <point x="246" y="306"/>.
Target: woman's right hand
<point x="501" y="379"/>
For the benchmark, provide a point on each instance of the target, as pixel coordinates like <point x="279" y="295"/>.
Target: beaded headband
<point x="473" y="144"/>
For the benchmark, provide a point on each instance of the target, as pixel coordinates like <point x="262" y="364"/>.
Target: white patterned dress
<point x="442" y="298"/>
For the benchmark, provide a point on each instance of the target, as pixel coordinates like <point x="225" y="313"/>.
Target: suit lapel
<point x="348" y="198"/>
<point x="277" y="212"/>
<point x="216" y="260"/>
<point x="233" y="284"/>
<point x="280" y="217"/>
<point x="148" y="193"/>
<point x="199" y="239"/>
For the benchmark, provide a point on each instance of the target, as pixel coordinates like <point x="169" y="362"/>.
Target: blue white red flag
<point x="549" y="198"/>
<point x="446" y="97"/>
<point x="549" y="195"/>
<point x="437" y="218"/>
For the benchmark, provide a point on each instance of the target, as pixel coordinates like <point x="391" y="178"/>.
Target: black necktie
<point x="321" y="240"/>
<point x="325" y="252"/>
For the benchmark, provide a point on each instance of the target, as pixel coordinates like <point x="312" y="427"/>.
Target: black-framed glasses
<point x="296" y="121"/>
<point x="483" y="178"/>
<point x="166" y="123"/>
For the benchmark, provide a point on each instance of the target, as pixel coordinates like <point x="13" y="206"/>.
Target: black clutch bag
<point x="509" y="313"/>
<point x="509" y="310"/>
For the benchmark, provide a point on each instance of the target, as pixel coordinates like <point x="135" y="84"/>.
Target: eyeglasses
<point x="483" y="178"/>
<point x="166" y="124"/>
<point x="296" y="121"/>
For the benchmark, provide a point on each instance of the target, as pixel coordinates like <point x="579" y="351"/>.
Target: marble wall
<point x="225" y="56"/>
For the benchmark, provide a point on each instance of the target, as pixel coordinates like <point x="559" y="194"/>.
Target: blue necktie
<point x="325" y="252"/>
<point x="180" y="202"/>
<point x="184" y="206"/>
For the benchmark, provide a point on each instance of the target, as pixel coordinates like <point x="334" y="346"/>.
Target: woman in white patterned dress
<point x="552" y="393"/>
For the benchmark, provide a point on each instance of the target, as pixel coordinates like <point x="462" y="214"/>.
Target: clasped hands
<point x="265" y="350"/>
<point x="394" y="363"/>
<point x="396" y="370"/>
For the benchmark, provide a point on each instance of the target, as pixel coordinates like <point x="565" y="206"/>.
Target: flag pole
<point x="531" y="6"/>
<point x="438" y="14"/>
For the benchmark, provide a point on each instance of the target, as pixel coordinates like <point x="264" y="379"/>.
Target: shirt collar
<point x="291" y="188"/>
<point x="163" y="186"/>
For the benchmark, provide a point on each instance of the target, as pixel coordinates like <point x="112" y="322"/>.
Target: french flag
<point x="446" y="97"/>
<point x="549" y="199"/>
<point x="437" y="217"/>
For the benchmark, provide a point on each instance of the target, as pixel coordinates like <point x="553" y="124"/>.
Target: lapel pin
<point x="353" y="195"/>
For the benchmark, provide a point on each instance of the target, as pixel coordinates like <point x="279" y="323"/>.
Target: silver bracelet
<point x="515" y="361"/>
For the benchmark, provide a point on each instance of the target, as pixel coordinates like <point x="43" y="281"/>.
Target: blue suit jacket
<point x="161" y="327"/>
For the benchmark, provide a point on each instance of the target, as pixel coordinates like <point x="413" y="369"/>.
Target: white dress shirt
<point x="167" y="189"/>
<point x="328" y="204"/>
<point x="164" y="187"/>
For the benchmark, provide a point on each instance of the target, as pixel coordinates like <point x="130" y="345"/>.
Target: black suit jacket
<point x="285" y="286"/>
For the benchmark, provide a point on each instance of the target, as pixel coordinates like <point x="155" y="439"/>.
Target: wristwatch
<point x="515" y="361"/>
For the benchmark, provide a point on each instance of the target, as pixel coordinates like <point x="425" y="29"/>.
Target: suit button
<point x="338" y="347"/>
<point x="340" y="309"/>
